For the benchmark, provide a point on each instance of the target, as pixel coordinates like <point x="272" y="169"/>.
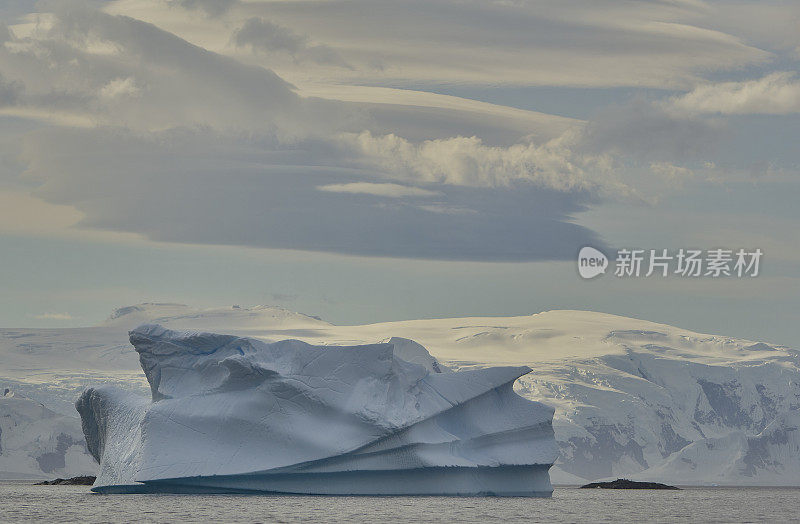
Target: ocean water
<point x="20" y="501"/>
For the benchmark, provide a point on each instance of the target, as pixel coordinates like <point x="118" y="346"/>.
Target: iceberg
<point x="236" y="414"/>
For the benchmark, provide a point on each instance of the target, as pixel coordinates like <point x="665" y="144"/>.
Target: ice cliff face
<point x="36" y="442"/>
<point x="231" y="413"/>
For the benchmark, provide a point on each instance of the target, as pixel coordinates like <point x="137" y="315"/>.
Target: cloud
<point x="384" y="189"/>
<point x="463" y="161"/>
<point x="284" y="297"/>
<point x="183" y="144"/>
<point x="671" y="172"/>
<point x="9" y="92"/>
<point x="205" y="188"/>
<point x="22" y="214"/>
<point x="263" y="35"/>
<point x="774" y="94"/>
<point x="186" y="145"/>
<point x="53" y="316"/>
<point x="645" y="130"/>
<point x="770" y="24"/>
<point x="266" y="37"/>
<point x="581" y="43"/>
<point x="5" y="33"/>
<point x="119" y="87"/>
<point x="210" y="7"/>
<point x="59" y="69"/>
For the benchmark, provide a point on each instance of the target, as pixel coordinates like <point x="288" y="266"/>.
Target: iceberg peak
<point x="237" y="413"/>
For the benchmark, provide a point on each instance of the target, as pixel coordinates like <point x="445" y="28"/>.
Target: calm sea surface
<point x="20" y="501"/>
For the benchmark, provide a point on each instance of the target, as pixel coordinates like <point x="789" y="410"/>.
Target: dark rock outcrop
<point x="87" y="480"/>
<point x="628" y="484"/>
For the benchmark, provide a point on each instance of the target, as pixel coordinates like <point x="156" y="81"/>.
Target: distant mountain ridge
<point x="633" y="398"/>
<point x="256" y="317"/>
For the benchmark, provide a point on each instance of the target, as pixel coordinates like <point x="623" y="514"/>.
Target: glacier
<point x="36" y="442"/>
<point x="230" y="413"/>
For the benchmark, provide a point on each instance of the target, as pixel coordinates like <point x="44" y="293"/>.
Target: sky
<point x="370" y="160"/>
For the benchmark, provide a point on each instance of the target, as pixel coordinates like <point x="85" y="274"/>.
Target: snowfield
<point x="632" y="398"/>
<point x="36" y="441"/>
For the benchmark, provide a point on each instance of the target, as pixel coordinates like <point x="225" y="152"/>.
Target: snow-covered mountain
<point x="234" y="317"/>
<point x="35" y="442"/>
<point x="633" y="398"/>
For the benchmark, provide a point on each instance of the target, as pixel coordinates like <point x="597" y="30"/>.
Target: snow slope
<point x="231" y="413"/>
<point x="633" y="398"/>
<point x="36" y="442"/>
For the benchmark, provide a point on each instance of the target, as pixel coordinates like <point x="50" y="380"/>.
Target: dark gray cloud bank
<point x="190" y="146"/>
<point x="188" y="186"/>
<point x="149" y="133"/>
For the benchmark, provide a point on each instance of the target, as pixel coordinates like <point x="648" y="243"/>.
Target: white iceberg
<point x="239" y="414"/>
